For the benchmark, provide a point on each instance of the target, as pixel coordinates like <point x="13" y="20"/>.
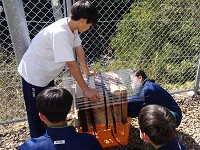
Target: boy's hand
<point x="92" y="94"/>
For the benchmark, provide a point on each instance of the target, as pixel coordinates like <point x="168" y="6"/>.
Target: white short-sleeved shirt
<point x="48" y="53"/>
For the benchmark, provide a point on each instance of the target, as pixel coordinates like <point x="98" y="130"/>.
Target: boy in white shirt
<point x="50" y="50"/>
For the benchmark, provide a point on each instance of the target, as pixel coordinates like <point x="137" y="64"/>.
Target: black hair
<point x="84" y="9"/>
<point x="140" y="73"/>
<point x="55" y="103"/>
<point x="143" y="74"/>
<point x="158" y="123"/>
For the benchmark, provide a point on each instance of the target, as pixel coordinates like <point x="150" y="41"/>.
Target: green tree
<point x="161" y="37"/>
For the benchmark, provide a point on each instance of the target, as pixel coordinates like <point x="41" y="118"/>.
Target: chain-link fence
<point x="160" y="37"/>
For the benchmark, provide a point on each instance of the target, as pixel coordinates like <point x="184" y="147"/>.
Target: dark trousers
<point x="37" y="127"/>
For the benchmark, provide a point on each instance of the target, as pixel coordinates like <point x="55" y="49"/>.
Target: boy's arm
<point x="81" y="58"/>
<point x="92" y="94"/>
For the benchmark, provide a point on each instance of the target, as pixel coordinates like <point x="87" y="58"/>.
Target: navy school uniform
<point x="62" y="138"/>
<point x="152" y="93"/>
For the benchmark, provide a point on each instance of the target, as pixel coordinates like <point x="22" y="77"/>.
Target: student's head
<point x="157" y="124"/>
<point x="84" y="10"/>
<point x="137" y="78"/>
<point x="141" y="74"/>
<point x="54" y="103"/>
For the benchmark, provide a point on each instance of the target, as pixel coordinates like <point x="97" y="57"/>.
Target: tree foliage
<point x="161" y="37"/>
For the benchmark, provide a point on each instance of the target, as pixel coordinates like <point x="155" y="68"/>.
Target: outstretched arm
<point x="92" y="94"/>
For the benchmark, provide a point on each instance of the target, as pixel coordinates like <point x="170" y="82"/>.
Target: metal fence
<point x="160" y="37"/>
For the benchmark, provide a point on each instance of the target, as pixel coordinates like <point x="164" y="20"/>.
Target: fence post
<point x="196" y="84"/>
<point x="18" y="29"/>
<point x="69" y="5"/>
<point x="57" y="12"/>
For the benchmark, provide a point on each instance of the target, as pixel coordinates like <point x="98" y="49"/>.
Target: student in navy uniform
<point x="157" y="127"/>
<point x="53" y="105"/>
<point x="152" y="93"/>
